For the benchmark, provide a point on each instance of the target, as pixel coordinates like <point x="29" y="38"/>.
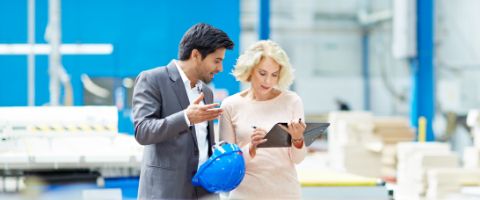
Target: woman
<point x="248" y="115"/>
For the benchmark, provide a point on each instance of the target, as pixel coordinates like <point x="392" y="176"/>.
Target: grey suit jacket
<point x="170" y="157"/>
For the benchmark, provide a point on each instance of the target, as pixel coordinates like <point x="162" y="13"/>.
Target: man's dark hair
<point x="205" y="38"/>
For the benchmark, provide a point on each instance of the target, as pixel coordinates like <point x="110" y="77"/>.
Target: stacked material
<point x="391" y="130"/>
<point x="414" y="160"/>
<point x="422" y="163"/>
<point x="444" y="182"/>
<point x="473" y="120"/>
<point x="389" y="162"/>
<point x="471" y="157"/>
<point x="352" y="146"/>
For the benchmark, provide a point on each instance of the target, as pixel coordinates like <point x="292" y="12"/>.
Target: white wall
<point x="458" y="54"/>
<point x="323" y="40"/>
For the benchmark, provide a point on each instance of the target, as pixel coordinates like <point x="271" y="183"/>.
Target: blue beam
<point x="264" y="25"/>
<point x="423" y="93"/>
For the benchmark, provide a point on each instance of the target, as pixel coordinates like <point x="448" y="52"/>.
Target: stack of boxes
<point x="471" y="155"/>
<point x="352" y="146"/>
<point x="383" y="147"/>
<point x="391" y="130"/>
<point x="421" y="163"/>
<point x="432" y="171"/>
<point x="415" y="160"/>
<point x="445" y="183"/>
<point x="442" y="183"/>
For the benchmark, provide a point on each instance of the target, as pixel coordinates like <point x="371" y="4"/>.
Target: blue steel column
<point x="264" y="25"/>
<point x="423" y="94"/>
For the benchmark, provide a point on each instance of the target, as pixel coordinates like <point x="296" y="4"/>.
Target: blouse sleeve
<point x="298" y="154"/>
<point x="227" y="132"/>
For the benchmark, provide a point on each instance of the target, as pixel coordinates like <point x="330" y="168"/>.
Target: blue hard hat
<point x="223" y="171"/>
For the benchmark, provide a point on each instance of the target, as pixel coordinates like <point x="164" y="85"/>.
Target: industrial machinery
<point x="64" y="145"/>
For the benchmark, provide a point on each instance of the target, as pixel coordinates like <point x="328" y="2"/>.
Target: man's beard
<point x="204" y="76"/>
<point x="206" y="79"/>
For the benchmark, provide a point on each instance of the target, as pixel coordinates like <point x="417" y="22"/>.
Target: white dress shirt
<point x="200" y="128"/>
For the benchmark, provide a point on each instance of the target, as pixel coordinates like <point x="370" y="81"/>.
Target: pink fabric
<point x="271" y="173"/>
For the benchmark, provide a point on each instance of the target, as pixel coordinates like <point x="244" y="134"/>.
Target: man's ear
<point x="195" y="55"/>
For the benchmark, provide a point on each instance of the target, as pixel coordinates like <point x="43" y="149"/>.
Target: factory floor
<point x="321" y="182"/>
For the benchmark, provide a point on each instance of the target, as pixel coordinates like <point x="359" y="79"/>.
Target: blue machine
<point x="144" y="34"/>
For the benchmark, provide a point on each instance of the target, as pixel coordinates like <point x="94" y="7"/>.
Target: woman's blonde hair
<point x="254" y="54"/>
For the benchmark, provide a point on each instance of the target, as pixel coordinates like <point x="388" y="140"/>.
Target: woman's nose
<point x="268" y="79"/>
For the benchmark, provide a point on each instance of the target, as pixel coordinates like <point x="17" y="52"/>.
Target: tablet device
<point x="278" y="137"/>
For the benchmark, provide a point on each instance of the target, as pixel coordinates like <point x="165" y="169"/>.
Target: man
<point x="173" y="111"/>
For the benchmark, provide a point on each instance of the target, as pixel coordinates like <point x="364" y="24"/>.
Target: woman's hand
<point x="256" y="138"/>
<point x="296" y="129"/>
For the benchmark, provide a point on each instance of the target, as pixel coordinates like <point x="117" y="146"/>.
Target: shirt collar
<point x="184" y="77"/>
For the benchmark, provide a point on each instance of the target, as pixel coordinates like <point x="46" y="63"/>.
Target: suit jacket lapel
<point x="178" y="85"/>
<point x="208" y="94"/>
<point x="179" y="88"/>
<point x="209" y="100"/>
